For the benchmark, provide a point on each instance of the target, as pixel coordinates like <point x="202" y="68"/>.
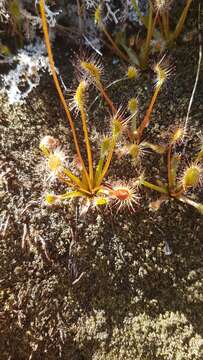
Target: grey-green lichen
<point x="169" y="336"/>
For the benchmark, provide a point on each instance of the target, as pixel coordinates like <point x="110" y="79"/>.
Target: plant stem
<point x="150" y="30"/>
<point x="57" y="85"/>
<point x="106" y="97"/>
<point x="108" y="161"/>
<point x="111" y="84"/>
<point x="169" y="169"/>
<point x="80" y="185"/>
<point x="72" y="194"/>
<point x="160" y="23"/>
<point x="99" y="169"/>
<point x="71" y="176"/>
<point x="191" y="202"/>
<point x="71" y="185"/>
<point x="88" y="147"/>
<point x="165" y="22"/>
<point x="116" y="48"/>
<point x="146" y="119"/>
<point x="154" y="187"/>
<point x="177" y="193"/>
<point x="180" y="24"/>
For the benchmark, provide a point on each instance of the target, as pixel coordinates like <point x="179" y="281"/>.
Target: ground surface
<point x="103" y="287"/>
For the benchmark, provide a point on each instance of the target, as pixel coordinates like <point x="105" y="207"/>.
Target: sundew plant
<point x="89" y="181"/>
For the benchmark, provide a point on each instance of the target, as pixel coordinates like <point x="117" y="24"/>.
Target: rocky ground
<point x="112" y="285"/>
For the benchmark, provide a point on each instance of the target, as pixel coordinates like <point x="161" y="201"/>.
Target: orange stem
<point x="170" y="177"/>
<point x="116" y="48"/>
<point x="179" y="26"/>
<point x="165" y="22"/>
<point x="146" y="119"/>
<point x="106" y="97"/>
<point x="150" y="30"/>
<point x="57" y="85"/>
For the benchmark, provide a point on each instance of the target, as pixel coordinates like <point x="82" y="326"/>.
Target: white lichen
<point x="131" y="13"/>
<point x="50" y="15"/>
<point x="4" y="15"/>
<point x="111" y="12"/>
<point x="90" y="4"/>
<point x="19" y="82"/>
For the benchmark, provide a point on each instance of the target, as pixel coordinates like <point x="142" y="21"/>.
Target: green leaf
<point x="71" y="195"/>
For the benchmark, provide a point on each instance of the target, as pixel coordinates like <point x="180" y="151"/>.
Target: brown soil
<point x="103" y="287"/>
